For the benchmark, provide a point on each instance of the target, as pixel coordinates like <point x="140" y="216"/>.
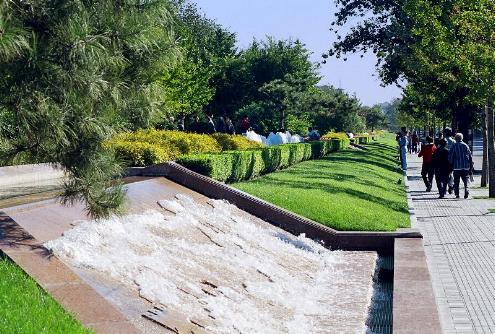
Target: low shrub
<point x="140" y="154"/>
<point x="297" y="153"/>
<point x="377" y="133"/>
<point x="235" y="142"/>
<point x="335" y="135"/>
<point x="319" y="149"/>
<point x="339" y="144"/>
<point x="147" y="147"/>
<point x="363" y="139"/>
<point x="235" y="166"/>
<point x="229" y="166"/>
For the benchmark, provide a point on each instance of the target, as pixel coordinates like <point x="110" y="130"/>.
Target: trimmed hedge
<point x="363" y="139"/>
<point x="335" y="135"/>
<point x="234" y="142"/>
<point x="359" y="138"/>
<point x="235" y="166"/>
<point x="141" y="153"/>
<point x="149" y="147"/>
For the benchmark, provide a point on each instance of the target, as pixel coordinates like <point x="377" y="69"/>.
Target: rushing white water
<point x="226" y="270"/>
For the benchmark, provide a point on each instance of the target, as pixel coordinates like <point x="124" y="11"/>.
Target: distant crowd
<point x="447" y="158"/>
<point x="224" y="124"/>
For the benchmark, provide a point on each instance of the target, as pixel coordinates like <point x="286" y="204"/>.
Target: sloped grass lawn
<point x="349" y="190"/>
<point x="26" y="308"/>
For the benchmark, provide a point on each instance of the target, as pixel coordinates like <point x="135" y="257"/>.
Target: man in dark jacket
<point x="442" y="167"/>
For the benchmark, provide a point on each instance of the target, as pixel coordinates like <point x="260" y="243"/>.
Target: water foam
<point x="225" y="269"/>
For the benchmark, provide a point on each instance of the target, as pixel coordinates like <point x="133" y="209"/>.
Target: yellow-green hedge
<point x="140" y="153"/>
<point x="335" y="135"/>
<point x="149" y="147"/>
<point x="235" y="142"/>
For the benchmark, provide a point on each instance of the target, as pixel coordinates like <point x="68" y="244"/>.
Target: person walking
<point x="442" y="167"/>
<point x="414" y="142"/>
<point x="313" y="134"/>
<point x="447" y="134"/>
<point x="409" y="142"/>
<point x="211" y="128"/>
<point x="229" y="126"/>
<point x="245" y="124"/>
<point x="461" y="160"/>
<point x="181" y="125"/>
<point x="427" y="170"/>
<point x="221" y="125"/>
<point x="402" y="139"/>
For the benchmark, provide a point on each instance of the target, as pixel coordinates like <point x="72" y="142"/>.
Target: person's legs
<point x="444" y="181"/>
<point x="403" y="158"/>
<point x="457" y="179"/>
<point x="451" y="183"/>
<point x="424" y="175"/>
<point x="440" y="185"/>
<point x="464" y="176"/>
<point x="431" y="172"/>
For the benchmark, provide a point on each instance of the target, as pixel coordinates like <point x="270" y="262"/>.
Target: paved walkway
<point x="459" y="240"/>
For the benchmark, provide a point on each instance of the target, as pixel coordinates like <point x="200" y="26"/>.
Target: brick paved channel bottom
<point x="214" y="266"/>
<point x="459" y="241"/>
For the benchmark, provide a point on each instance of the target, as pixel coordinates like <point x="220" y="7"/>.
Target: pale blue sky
<point x="308" y="20"/>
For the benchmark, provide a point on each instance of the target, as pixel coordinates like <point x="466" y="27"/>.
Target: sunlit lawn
<point x="348" y="190"/>
<point x="27" y="309"/>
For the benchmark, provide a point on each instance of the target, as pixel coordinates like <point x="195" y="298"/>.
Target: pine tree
<point x="72" y="72"/>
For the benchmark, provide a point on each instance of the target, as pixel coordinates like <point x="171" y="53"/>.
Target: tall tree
<point x="71" y="72"/>
<point x="374" y="117"/>
<point x="206" y="48"/>
<point x="335" y="110"/>
<point x="448" y="40"/>
<point x="263" y="62"/>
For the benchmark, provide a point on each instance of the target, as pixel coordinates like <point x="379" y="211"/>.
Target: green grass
<point x="349" y="190"/>
<point x="491" y="210"/>
<point x="26" y="308"/>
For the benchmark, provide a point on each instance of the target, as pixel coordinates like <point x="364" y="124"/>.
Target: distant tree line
<point x="73" y="73"/>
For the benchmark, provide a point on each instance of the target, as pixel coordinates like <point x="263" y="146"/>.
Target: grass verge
<point x="349" y="190"/>
<point x="26" y="308"/>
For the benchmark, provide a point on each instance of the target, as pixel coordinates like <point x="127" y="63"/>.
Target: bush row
<point x="335" y="135"/>
<point x="235" y="166"/>
<point x="149" y="147"/>
<point x="363" y="139"/>
<point x="359" y="138"/>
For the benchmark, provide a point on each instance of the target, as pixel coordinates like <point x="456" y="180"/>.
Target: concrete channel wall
<point x="23" y="180"/>
<point x="414" y="306"/>
<point x="382" y="242"/>
<point x="28" y="174"/>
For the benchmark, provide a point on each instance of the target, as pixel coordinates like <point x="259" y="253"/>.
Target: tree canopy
<point x="71" y="73"/>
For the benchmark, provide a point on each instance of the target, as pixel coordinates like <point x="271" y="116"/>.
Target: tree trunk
<point x="484" y="172"/>
<point x="282" y="119"/>
<point x="434" y="134"/>
<point x="491" y="147"/>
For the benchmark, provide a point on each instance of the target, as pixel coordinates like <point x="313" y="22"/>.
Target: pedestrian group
<point x="448" y="160"/>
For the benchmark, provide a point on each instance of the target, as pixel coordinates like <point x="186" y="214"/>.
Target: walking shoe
<point x="466" y="195"/>
<point x="441" y="196"/>
<point x="428" y="189"/>
<point x="457" y="196"/>
<point x="451" y="190"/>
